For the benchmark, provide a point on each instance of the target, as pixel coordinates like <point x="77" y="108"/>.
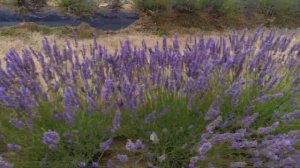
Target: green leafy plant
<point x="185" y="5"/>
<point x="79" y="7"/>
<point x="153" y="5"/>
<point x="278" y="7"/>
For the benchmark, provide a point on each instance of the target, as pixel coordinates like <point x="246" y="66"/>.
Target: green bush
<point x="233" y="6"/>
<point x="184" y="5"/>
<point x="278" y="7"/>
<point x="210" y="5"/>
<point x="81" y="7"/>
<point x="153" y="5"/>
<point x="265" y="7"/>
<point x="29" y="4"/>
<point x="217" y="6"/>
<point x="8" y="1"/>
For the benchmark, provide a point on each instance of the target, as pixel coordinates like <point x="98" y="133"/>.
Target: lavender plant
<point x="234" y="98"/>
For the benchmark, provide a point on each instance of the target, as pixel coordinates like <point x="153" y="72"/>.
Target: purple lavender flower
<point x="82" y="164"/>
<point x="150" y="117"/>
<point x="265" y="98"/>
<point x="106" y="145"/>
<point x="214" y="110"/>
<point x="4" y="164"/>
<point x="164" y="111"/>
<point x="116" y="122"/>
<point x="235" y="90"/>
<point x="244" y="144"/>
<point x="248" y="120"/>
<point x="212" y="113"/>
<point x="291" y="116"/>
<point x="298" y="159"/>
<point x="17" y="123"/>
<point x="193" y="160"/>
<point x="15" y="148"/>
<point x="108" y="90"/>
<point x="204" y="148"/>
<point x="130" y="146"/>
<point x="51" y="138"/>
<point x="267" y="130"/>
<point x="257" y="162"/>
<point x="122" y="158"/>
<point x="216" y="123"/>
<point x="139" y="144"/>
<point x="95" y="165"/>
<point x="191" y="165"/>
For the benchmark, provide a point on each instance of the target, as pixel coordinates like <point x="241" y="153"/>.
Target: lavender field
<point x="231" y="101"/>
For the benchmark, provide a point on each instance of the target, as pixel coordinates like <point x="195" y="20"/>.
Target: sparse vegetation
<point x="28" y="4"/>
<point x="153" y="5"/>
<point x="79" y="7"/>
<point x="266" y="7"/>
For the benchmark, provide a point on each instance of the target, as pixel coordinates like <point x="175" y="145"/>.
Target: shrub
<point x="278" y="7"/>
<point x="235" y="97"/>
<point x="79" y="7"/>
<point x="210" y="5"/>
<point x="31" y="4"/>
<point x="184" y="5"/>
<point x="221" y="6"/>
<point x="8" y="1"/>
<point x="266" y="7"/>
<point x="233" y="6"/>
<point x="153" y="5"/>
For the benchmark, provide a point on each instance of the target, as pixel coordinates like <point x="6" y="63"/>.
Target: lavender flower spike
<point x="122" y="158"/>
<point x="116" y="122"/>
<point x="106" y="145"/>
<point x="216" y="123"/>
<point x="267" y="130"/>
<point x="4" y="164"/>
<point x="130" y="146"/>
<point x="13" y="147"/>
<point x="16" y="123"/>
<point x="204" y="148"/>
<point x="51" y="138"/>
<point x="82" y="164"/>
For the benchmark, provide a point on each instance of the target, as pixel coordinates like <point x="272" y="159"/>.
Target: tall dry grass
<point x="110" y="41"/>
